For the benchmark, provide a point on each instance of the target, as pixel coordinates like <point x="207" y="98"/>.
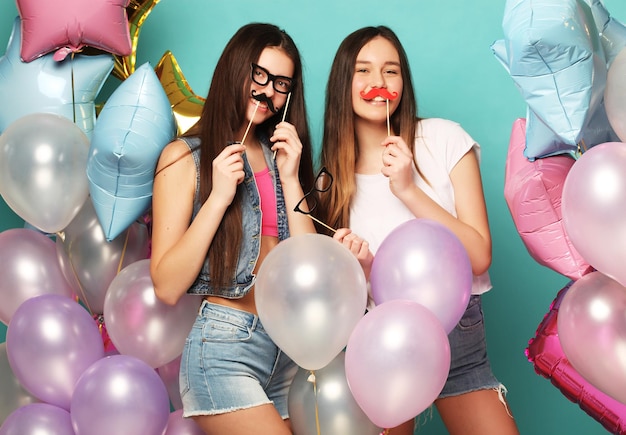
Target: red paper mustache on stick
<point x="376" y="92"/>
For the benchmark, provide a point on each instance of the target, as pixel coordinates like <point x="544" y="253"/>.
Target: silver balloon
<point x="12" y="393"/>
<point x="325" y="393"/>
<point x="90" y="263"/>
<point x="43" y="159"/>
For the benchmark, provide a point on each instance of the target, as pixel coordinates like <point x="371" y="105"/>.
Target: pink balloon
<point x="29" y="268"/>
<point x="51" y="340"/>
<point x="594" y="208"/>
<point x="310" y="293"/>
<point x="142" y="326"/>
<point x="533" y="193"/>
<point x="66" y="26"/>
<point x="592" y="331"/>
<point x="38" y="419"/>
<point x="397" y="361"/>
<point x="178" y="425"/>
<point x="422" y="261"/>
<point x="119" y="394"/>
<point x="169" y="375"/>
<point x="545" y="352"/>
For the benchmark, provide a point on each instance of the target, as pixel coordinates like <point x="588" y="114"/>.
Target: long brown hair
<point x="339" y="143"/>
<point x="223" y="115"/>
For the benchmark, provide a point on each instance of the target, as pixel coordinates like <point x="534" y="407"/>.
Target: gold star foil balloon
<point x="186" y="105"/>
<point x="137" y="11"/>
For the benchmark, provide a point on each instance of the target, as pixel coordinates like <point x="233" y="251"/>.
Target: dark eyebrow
<point x="389" y="62"/>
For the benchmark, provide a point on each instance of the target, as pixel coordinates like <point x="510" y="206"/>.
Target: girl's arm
<point x="179" y="246"/>
<point x="471" y="225"/>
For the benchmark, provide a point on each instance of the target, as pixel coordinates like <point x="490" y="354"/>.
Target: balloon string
<point x="243" y="140"/>
<point x="73" y="89"/>
<point x="386" y="432"/>
<point x="80" y="285"/>
<point x="119" y="266"/>
<point x="317" y="415"/>
<point x="284" y="116"/>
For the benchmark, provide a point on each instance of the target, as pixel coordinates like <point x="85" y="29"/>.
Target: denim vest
<point x="244" y="279"/>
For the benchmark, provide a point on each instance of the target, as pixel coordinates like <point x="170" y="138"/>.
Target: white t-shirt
<point x="375" y="211"/>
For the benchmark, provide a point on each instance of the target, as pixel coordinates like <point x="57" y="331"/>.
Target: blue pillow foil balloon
<point x="132" y="129"/>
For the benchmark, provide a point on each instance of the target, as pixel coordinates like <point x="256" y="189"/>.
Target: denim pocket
<point x="473" y="315"/>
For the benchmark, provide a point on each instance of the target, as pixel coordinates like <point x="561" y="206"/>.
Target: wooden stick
<point x="250" y="123"/>
<point x="284" y="116"/>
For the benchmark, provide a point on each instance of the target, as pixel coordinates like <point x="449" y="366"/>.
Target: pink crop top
<point x="269" y="224"/>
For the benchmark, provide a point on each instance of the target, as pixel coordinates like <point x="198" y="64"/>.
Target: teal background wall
<point x="457" y="77"/>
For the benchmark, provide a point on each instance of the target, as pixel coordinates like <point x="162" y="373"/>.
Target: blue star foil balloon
<point x="132" y="129"/>
<point x="553" y="53"/>
<point x="45" y="85"/>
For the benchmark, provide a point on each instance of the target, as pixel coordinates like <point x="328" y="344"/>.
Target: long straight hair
<point x="222" y="116"/>
<point x="339" y="144"/>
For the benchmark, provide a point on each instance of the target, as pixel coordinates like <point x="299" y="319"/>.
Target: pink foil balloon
<point x="142" y="326"/>
<point x="38" y="419"/>
<point x="28" y="267"/>
<point x="51" y="340"/>
<point x="423" y="261"/>
<point x="592" y="330"/>
<point x="594" y="208"/>
<point x="66" y="26"/>
<point x="119" y="394"/>
<point x="397" y="361"/>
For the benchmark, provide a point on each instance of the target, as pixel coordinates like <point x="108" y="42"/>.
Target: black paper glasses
<point x="322" y="183"/>
<point x="262" y="77"/>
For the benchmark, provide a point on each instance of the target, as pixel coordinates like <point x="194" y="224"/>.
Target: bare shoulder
<point x="175" y="155"/>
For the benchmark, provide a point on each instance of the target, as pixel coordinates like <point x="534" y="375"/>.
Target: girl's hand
<point x="397" y="165"/>
<point x="288" y="149"/>
<point x="228" y="173"/>
<point x="359" y="247"/>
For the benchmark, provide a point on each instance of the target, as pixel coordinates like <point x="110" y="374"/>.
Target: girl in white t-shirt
<point x="388" y="172"/>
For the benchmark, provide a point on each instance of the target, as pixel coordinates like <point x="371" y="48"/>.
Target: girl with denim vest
<point x="224" y="196"/>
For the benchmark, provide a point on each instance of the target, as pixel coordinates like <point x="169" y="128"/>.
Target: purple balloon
<point x="51" y="340"/>
<point x="120" y="394"/>
<point x="28" y="267"/>
<point x="423" y="261"/>
<point x="397" y="361"/>
<point x="38" y="419"/>
<point x="178" y="425"/>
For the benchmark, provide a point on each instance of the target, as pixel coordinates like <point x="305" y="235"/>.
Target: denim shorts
<point x="469" y="367"/>
<point x="230" y="363"/>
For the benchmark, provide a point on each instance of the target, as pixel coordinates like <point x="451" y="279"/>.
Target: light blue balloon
<point x="553" y="53"/>
<point x="44" y="85"/>
<point x="612" y="32"/>
<point x="132" y="129"/>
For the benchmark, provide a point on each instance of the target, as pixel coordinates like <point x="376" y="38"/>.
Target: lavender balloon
<point x="29" y="268"/>
<point x="169" y="375"/>
<point x="51" y="340"/>
<point x="38" y="419"/>
<point x="119" y="394"/>
<point x="178" y="425"/>
<point x="142" y="326"/>
<point x="423" y="261"/>
<point x="592" y="331"/>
